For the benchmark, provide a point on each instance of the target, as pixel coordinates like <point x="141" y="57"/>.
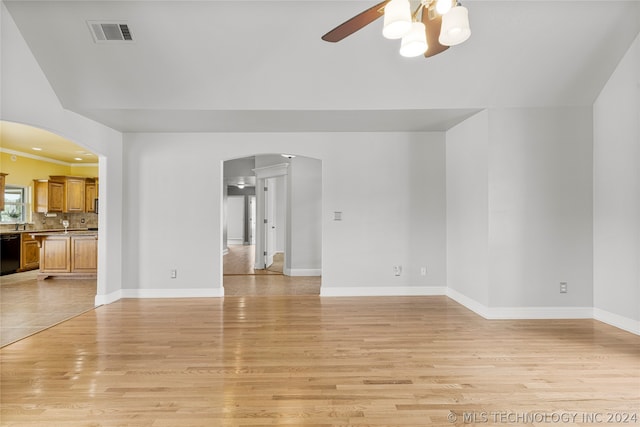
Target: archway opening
<point x="272" y="225"/>
<point x="33" y="158"/>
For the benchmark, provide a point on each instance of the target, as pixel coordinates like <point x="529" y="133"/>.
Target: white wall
<point x="239" y="167"/>
<point x="616" y="204"/>
<point x="397" y="214"/>
<point x="28" y="98"/>
<point x="538" y="192"/>
<point x="235" y="220"/>
<point x="540" y="207"/>
<point x="234" y="168"/>
<point x="467" y="208"/>
<point x="281" y="214"/>
<point x="305" y="217"/>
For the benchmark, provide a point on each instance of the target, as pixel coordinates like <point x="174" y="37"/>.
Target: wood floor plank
<point x="312" y="361"/>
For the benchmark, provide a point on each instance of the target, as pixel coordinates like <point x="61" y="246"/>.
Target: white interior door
<point x="270" y="220"/>
<point x="266" y="209"/>
<point x="252" y="220"/>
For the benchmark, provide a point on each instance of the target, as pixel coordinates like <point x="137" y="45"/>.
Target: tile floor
<point x="28" y="306"/>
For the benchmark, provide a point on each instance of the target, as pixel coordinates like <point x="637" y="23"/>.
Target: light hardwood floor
<point x="28" y="305"/>
<point x="241" y="261"/>
<point x="312" y="361"/>
<point x="242" y="279"/>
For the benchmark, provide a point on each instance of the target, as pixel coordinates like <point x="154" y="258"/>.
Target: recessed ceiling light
<point x="36" y="148"/>
<point x="288" y="156"/>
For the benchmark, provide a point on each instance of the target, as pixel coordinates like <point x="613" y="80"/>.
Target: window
<point x="15" y="205"/>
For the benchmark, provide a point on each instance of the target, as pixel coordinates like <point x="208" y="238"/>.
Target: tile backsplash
<point x="40" y="222"/>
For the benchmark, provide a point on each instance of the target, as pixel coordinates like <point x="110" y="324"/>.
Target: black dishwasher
<point x="10" y="253"/>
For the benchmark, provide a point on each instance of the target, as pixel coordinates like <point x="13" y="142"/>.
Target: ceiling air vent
<point x="107" y="32"/>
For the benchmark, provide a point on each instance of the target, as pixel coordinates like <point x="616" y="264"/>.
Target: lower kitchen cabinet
<point x="55" y="256"/>
<point x="29" y="253"/>
<point x="69" y="255"/>
<point x="84" y="254"/>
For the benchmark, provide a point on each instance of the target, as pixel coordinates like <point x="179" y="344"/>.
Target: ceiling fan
<point x="442" y="23"/>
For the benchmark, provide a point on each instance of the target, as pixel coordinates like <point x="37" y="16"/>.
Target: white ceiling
<point x="261" y="66"/>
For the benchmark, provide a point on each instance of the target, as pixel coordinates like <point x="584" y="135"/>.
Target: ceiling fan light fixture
<point x="415" y="42"/>
<point x="397" y="19"/>
<point x="455" y="26"/>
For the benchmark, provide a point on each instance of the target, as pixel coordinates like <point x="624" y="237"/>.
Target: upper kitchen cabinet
<point x="48" y="196"/>
<point x="74" y="188"/>
<point x="91" y="194"/>
<point x="59" y="194"/>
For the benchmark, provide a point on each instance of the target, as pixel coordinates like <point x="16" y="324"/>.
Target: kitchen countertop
<point x="62" y="233"/>
<point x="49" y="231"/>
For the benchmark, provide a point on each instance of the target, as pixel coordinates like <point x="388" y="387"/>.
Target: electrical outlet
<point x="397" y="270"/>
<point x="423" y="271"/>
<point x="563" y="287"/>
<point x="174" y="273"/>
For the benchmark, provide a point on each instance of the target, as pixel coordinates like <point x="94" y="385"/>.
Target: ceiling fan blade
<point x="433" y="22"/>
<point x="356" y="23"/>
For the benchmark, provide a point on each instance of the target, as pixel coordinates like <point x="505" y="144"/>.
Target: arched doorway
<point x="31" y="154"/>
<point x="287" y="201"/>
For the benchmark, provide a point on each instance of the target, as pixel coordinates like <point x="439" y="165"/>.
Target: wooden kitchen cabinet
<point x="90" y="194"/>
<point x="74" y="193"/>
<point x="55" y="256"/>
<point x="59" y="194"/>
<point x="48" y="196"/>
<point x="84" y="254"/>
<point x="2" y="185"/>
<point x="29" y="253"/>
<point x="70" y="255"/>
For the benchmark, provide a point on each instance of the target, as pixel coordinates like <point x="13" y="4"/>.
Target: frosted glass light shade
<point x="414" y="43"/>
<point x="455" y="26"/>
<point x="397" y="19"/>
<point x="443" y="6"/>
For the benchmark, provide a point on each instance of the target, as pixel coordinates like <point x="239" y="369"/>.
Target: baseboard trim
<point x="498" y="313"/>
<point x="302" y="272"/>
<point x="505" y="313"/>
<point x="376" y="291"/>
<point x="469" y="303"/>
<point x="108" y="298"/>
<point x="173" y="293"/>
<point x="616" y="320"/>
